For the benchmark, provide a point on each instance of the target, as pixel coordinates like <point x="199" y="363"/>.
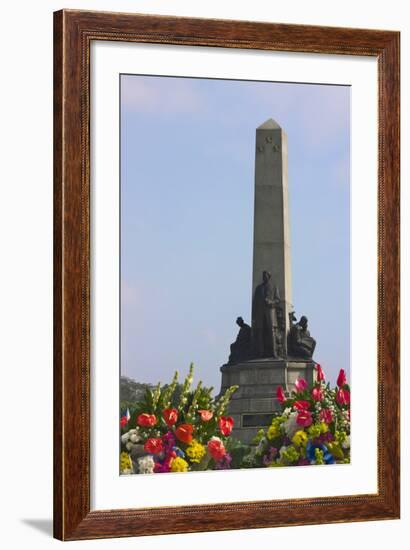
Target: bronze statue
<point x="301" y="344"/>
<point x="241" y="348"/>
<point x="265" y="328"/>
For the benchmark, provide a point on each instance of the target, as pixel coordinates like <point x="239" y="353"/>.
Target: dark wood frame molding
<point x="73" y="33"/>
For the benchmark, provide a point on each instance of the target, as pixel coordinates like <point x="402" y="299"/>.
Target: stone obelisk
<point x="271" y="236"/>
<point x="259" y="374"/>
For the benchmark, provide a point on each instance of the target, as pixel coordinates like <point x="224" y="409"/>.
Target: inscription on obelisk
<point x="271" y="237"/>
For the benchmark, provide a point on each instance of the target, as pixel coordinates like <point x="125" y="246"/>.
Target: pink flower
<point x="320" y="375"/>
<point x="326" y="416"/>
<point x="342" y="396"/>
<point x="304" y="418"/>
<point x="317" y="394"/>
<point x="301" y="405"/>
<point x="280" y="395"/>
<point x="300" y="384"/>
<point x="206" y="415"/>
<point x="341" y="379"/>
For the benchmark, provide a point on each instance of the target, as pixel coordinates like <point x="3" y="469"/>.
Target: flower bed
<point x="175" y="429"/>
<point x="176" y="433"/>
<point x="312" y="428"/>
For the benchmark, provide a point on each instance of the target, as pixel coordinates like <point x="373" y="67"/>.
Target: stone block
<point x="247" y="376"/>
<point x="238" y="405"/>
<point x="260" y="405"/>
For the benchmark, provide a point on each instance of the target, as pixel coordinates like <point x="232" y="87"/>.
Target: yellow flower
<point x="273" y="430"/>
<point x="195" y="452"/>
<point x="300" y="438"/>
<point x="125" y="462"/>
<point x="340" y="436"/>
<point x="319" y="456"/>
<point x="323" y="427"/>
<point x="335" y="449"/>
<point x="316" y="429"/>
<point x="179" y="465"/>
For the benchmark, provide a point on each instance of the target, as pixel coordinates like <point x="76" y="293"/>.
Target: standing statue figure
<point x="265" y="319"/>
<point x="241" y="348"/>
<point x="301" y="344"/>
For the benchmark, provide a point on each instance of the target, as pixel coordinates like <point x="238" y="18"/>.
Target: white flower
<point x="287" y="411"/>
<point x="146" y="465"/>
<point x="129" y="446"/>
<point x="125" y="437"/>
<point x="282" y="450"/>
<point x="346" y="442"/>
<point x="134" y="438"/>
<point x="290" y="425"/>
<point x="261" y="445"/>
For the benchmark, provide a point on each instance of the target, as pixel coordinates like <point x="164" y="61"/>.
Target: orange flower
<point x="170" y="416"/>
<point x="184" y="433"/>
<point x="153" y="445"/>
<point x="225" y="424"/>
<point x="206" y="415"/>
<point x="146" y="420"/>
<point x="216" y="448"/>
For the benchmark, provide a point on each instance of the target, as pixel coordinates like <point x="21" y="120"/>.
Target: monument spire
<point x="271" y="236"/>
<point x="260" y="360"/>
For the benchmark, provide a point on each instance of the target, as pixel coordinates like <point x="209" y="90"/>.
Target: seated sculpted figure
<point x="300" y="342"/>
<point x="240" y="349"/>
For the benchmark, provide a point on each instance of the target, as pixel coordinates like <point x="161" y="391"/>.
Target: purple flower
<point x="270" y="456"/>
<point x="224" y="463"/>
<point x="323" y="438"/>
<point x="168" y="440"/>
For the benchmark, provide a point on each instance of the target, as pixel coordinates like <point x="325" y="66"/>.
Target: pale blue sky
<point x="187" y="188"/>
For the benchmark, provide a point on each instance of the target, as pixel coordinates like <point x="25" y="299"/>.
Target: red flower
<point x="341" y="379"/>
<point x="123" y="421"/>
<point x="301" y="405"/>
<point x="343" y="396"/>
<point x="184" y="433"/>
<point x="206" y="415"/>
<point x="146" y="420"/>
<point x="320" y="375"/>
<point x="300" y="384"/>
<point x="317" y="394"/>
<point x="225" y="424"/>
<point x="304" y="418"/>
<point x="216" y="449"/>
<point x="170" y="416"/>
<point x="280" y="395"/>
<point x="326" y="416"/>
<point x="153" y="445"/>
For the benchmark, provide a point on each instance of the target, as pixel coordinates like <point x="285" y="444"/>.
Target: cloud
<point x="159" y="95"/>
<point x="129" y="295"/>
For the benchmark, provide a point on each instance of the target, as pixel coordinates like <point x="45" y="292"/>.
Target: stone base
<point x="255" y="400"/>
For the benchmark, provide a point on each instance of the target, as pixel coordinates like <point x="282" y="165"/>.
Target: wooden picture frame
<point x="74" y="32"/>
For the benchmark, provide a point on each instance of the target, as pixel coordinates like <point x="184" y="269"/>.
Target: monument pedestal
<point x="254" y="402"/>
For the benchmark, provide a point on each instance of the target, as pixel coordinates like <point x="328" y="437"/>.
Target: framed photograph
<point x="226" y="275"/>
